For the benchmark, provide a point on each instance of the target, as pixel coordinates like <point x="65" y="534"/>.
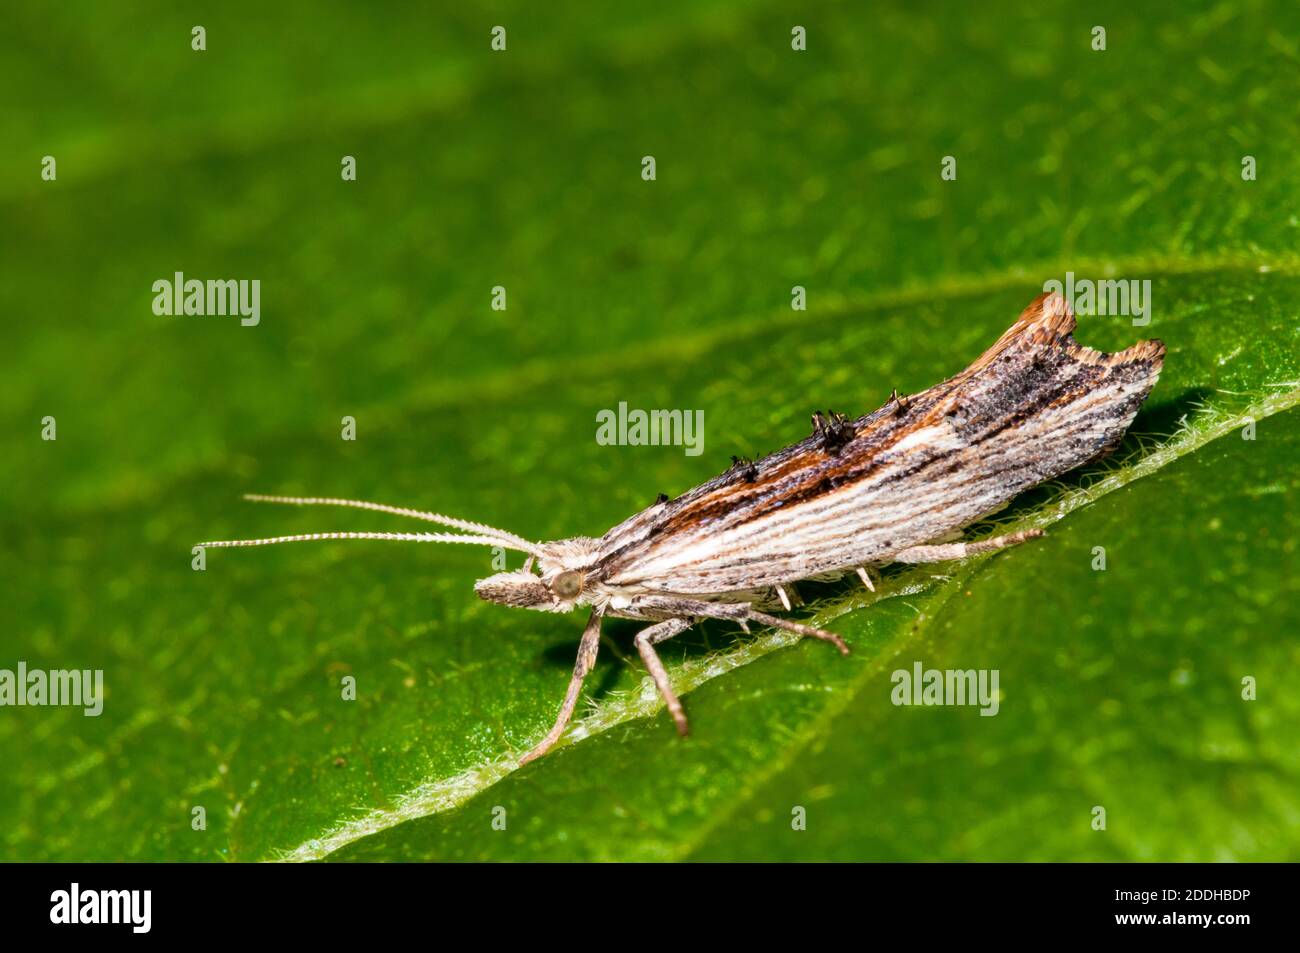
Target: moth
<point x="894" y="486"/>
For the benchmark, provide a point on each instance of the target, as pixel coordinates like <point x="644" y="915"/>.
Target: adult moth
<point x="891" y="486"/>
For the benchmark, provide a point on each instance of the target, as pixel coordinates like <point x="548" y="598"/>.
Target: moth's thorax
<point x="562" y="580"/>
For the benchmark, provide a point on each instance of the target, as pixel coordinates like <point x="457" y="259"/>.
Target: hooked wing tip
<point x="1048" y="322"/>
<point x="1055" y="304"/>
<point x="1049" y="314"/>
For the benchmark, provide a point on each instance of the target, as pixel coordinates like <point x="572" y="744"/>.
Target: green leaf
<point x="1122" y="688"/>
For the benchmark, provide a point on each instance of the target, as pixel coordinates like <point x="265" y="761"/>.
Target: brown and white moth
<point x="892" y="486"/>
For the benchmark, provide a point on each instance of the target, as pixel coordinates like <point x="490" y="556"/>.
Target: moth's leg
<point x="737" y="612"/>
<point x="789" y="625"/>
<point x="645" y="643"/>
<point x="789" y="596"/>
<point x="946" y="551"/>
<point x="587" y="649"/>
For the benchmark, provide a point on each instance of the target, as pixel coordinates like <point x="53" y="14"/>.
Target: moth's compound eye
<point x="567" y="584"/>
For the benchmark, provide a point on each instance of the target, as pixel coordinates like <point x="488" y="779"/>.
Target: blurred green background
<point x="775" y="168"/>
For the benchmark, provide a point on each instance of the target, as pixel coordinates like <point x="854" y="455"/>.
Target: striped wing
<point x="1032" y="407"/>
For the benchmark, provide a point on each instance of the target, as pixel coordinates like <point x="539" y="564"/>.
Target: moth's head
<point x="562" y="580"/>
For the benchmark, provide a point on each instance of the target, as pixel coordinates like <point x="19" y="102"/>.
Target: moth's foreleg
<point x="645" y="642"/>
<point x="587" y="649"/>
<point x="947" y="551"/>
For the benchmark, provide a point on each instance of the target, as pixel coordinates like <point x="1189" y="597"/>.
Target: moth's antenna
<point x="517" y="542"/>
<point x="410" y="537"/>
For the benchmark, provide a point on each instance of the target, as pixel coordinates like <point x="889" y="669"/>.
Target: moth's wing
<point x="1073" y="401"/>
<point x="1033" y="406"/>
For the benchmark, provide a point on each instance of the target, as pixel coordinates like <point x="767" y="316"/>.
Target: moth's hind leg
<point x="799" y="628"/>
<point x="645" y="643"/>
<point x="739" y="612"/>
<point x="944" y="552"/>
